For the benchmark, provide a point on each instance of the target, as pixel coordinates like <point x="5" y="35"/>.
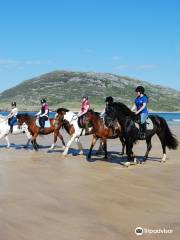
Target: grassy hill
<point x="65" y="88"/>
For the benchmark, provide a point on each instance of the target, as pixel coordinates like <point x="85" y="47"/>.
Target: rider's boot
<point x="142" y="131"/>
<point x="87" y="128"/>
<point x="11" y="128"/>
<point x="42" y="130"/>
<point x="114" y="134"/>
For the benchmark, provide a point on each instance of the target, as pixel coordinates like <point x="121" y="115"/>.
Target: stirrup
<point x="141" y="136"/>
<point x="42" y="130"/>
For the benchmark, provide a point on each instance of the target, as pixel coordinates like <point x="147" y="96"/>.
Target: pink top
<point x="85" y="106"/>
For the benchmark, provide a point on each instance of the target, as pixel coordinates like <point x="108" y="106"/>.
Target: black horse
<point x="127" y="118"/>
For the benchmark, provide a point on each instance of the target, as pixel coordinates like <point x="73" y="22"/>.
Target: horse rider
<point x="85" y="106"/>
<point x="140" y="105"/>
<point x="12" y="116"/>
<point x="108" y="101"/>
<point x="43" y="114"/>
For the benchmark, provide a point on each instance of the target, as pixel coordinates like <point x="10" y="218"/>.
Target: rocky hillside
<point x="65" y="88"/>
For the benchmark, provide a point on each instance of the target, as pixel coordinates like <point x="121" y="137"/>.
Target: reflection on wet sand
<point x="47" y="196"/>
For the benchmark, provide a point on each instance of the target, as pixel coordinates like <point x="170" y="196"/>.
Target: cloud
<point x="135" y="67"/>
<point x="123" y="66"/>
<point x="11" y="63"/>
<point x="8" y="62"/>
<point x="146" y="66"/>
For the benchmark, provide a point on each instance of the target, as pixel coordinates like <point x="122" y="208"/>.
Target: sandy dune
<point x="44" y="196"/>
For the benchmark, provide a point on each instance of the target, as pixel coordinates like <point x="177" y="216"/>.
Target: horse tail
<point x="170" y="139"/>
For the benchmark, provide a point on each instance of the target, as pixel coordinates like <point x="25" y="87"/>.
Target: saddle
<point x="149" y="124"/>
<point x="47" y="123"/>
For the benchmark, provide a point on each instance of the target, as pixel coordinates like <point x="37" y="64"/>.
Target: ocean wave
<point x="176" y="120"/>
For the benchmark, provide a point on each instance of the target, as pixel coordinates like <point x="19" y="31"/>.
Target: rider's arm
<point x="143" y="106"/>
<point x="9" y="115"/>
<point x="87" y="106"/>
<point x="37" y="114"/>
<point x="133" y="108"/>
<point x="45" y="113"/>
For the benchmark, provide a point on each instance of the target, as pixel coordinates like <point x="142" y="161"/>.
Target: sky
<point x="135" y="38"/>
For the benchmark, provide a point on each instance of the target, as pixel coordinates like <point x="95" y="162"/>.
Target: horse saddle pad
<point x="47" y="123"/>
<point x="149" y="124"/>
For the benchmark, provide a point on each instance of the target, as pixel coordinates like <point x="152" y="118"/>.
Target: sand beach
<point x="45" y="196"/>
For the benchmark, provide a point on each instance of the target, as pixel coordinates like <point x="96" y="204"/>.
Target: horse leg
<point x="163" y="144"/>
<point x="80" y="147"/>
<point x="33" y="141"/>
<point x="100" y="149"/>
<point x="55" y="140"/>
<point x="94" y="140"/>
<point x="149" y="146"/>
<point x="129" y="152"/>
<point x="62" y="139"/>
<point x="7" y="140"/>
<point x="29" y="136"/>
<point x="123" y="144"/>
<point x="68" y="145"/>
<point x="27" y="144"/>
<point x="105" y="148"/>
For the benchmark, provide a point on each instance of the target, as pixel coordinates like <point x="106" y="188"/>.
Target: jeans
<point x="42" y="121"/>
<point x="143" y="116"/>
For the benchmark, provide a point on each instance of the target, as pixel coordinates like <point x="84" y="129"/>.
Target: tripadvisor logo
<point x="139" y="231"/>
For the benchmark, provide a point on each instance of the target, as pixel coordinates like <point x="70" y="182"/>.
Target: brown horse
<point x="55" y="126"/>
<point x="100" y="130"/>
<point x="71" y="123"/>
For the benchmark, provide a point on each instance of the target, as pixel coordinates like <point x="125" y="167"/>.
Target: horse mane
<point x="26" y="115"/>
<point x="62" y="110"/>
<point x="93" y="112"/>
<point x="123" y="109"/>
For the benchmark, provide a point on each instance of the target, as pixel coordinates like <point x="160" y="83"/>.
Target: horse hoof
<point x="89" y="159"/>
<point x="98" y="152"/>
<point x="163" y="160"/>
<point x="51" y="148"/>
<point x="127" y="164"/>
<point x="81" y="153"/>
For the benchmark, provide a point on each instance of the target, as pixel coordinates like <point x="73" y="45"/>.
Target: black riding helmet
<point x="13" y="104"/>
<point x="109" y="99"/>
<point x="43" y="100"/>
<point x="140" y="89"/>
<point x="85" y="97"/>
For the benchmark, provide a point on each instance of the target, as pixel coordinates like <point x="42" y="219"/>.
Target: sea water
<point x="172" y="118"/>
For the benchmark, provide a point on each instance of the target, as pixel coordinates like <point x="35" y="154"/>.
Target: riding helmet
<point x="109" y="99"/>
<point x="13" y="104"/>
<point x="85" y="97"/>
<point x="140" y="89"/>
<point x="43" y="100"/>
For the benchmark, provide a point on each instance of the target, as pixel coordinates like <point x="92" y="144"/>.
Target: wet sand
<point x="45" y="196"/>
